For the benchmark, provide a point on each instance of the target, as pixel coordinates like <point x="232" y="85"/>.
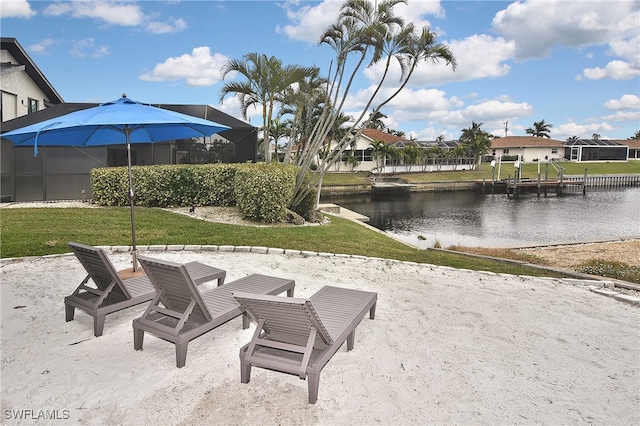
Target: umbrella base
<point x="125" y="274"/>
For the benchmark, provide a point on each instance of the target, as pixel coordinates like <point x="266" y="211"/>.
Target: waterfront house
<point x="634" y="148"/>
<point x="596" y="150"/>
<point x="527" y="148"/>
<point x="60" y="173"/>
<point x="360" y="155"/>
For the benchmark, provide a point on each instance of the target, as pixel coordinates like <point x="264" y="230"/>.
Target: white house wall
<point x="532" y="153"/>
<point x="17" y="88"/>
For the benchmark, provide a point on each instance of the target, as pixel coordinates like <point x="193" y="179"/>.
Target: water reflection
<point x="495" y="220"/>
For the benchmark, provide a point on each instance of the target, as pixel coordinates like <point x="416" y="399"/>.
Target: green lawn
<point x="45" y="231"/>
<point x="38" y="231"/>
<point x="528" y="171"/>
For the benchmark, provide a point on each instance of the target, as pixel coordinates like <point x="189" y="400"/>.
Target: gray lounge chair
<point x="180" y="312"/>
<point x="299" y="336"/>
<point x="111" y="293"/>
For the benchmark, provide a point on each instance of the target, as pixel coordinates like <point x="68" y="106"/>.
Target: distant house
<point x="595" y="150"/>
<point x="60" y="173"/>
<point x="528" y="148"/>
<point x="634" y="148"/>
<point x="359" y="157"/>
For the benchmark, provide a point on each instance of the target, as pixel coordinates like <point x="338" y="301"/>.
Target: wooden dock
<point x="557" y="185"/>
<point x="526" y="186"/>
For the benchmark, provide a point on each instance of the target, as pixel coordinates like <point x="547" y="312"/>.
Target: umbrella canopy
<point x="118" y="122"/>
<point x="123" y="121"/>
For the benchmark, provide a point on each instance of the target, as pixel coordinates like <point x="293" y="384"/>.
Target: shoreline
<point x="548" y="349"/>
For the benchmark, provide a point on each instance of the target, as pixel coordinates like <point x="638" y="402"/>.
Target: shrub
<point x="263" y="191"/>
<point x="165" y="185"/>
<point x="110" y="186"/>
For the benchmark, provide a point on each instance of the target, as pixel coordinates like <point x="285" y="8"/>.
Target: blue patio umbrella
<point x="123" y="121"/>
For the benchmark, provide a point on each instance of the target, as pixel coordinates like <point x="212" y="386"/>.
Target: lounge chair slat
<point x="123" y="294"/>
<point x="178" y="293"/>
<point x="333" y="313"/>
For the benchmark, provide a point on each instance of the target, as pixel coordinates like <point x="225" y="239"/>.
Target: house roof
<point x="593" y="142"/>
<point x="202" y="111"/>
<point x="243" y="134"/>
<point x="631" y="143"/>
<point x="525" y="142"/>
<point x="378" y="135"/>
<point x="14" y="48"/>
<point x="447" y="145"/>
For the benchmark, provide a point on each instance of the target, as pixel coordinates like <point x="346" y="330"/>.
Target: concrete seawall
<point x="340" y="190"/>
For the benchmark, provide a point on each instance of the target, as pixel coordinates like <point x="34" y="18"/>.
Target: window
<point x="505" y="151"/>
<point x="361" y="154"/>
<point x="33" y="106"/>
<point x="554" y="150"/>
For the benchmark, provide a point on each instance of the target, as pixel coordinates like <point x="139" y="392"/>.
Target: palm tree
<point x="437" y="153"/>
<point x="304" y="103"/>
<point x="378" y="151"/>
<point x="366" y="34"/>
<point x="375" y="121"/>
<point x="476" y="141"/>
<point x="395" y="155"/>
<point x="636" y="136"/>
<point x="458" y="153"/>
<point x="351" y="160"/>
<point x="411" y="154"/>
<point x="277" y="131"/>
<point x="397" y="133"/>
<point x="266" y="81"/>
<point x="540" y="130"/>
<point x="573" y="139"/>
<point x="595" y="136"/>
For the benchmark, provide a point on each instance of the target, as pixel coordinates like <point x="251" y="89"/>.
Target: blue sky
<point x="575" y="64"/>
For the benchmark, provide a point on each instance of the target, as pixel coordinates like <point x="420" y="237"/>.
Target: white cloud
<point x="15" y="9"/>
<point x="418" y="105"/>
<point x="623" y="116"/>
<point x="198" y="68"/>
<point x="627" y="48"/>
<point x="173" y="26"/>
<point x="478" y="56"/>
<point x="415" y="11"/>
<point x="567" y="130"/>
<point x="86" y="48"/>
<point x="614" y="70"/>
<point x="624" y="102"/>
<point x="538" y="26"/>
<point x="115" y="13"/>
<point x="42" y="46"/>
<point x="493" y="110"/>
<point x="231" y="106"/>
<point x="311" y="19"/>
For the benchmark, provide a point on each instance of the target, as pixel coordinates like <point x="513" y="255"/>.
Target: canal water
<point x="494" y="220"/>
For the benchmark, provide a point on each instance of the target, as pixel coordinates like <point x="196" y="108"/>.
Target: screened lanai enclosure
<point x="595" y="150"/>
<point x="63" y="173"/>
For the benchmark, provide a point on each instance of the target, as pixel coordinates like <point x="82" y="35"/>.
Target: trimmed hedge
<point x="165" y="185"/>
<point x="261" y="191"/>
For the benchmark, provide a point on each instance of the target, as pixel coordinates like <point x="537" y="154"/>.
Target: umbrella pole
<point x="134" y="252"/>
